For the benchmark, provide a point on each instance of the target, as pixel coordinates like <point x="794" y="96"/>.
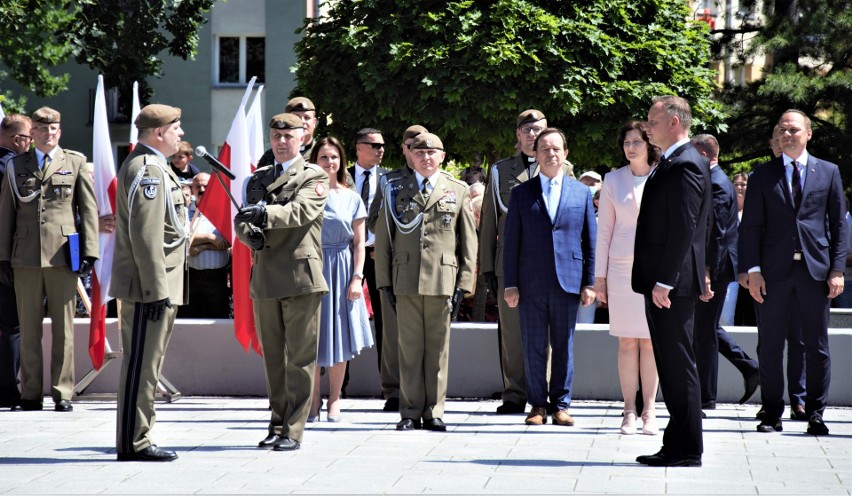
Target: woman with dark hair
<point x="618" y="211"/>
<point x="344" y="327"/>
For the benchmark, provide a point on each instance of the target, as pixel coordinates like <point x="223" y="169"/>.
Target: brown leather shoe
<point x="537" y="416"/>
<point x="562" y="417"/>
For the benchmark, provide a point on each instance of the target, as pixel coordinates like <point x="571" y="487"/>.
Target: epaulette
<point x="394" y="175"/>
<point x="314" y="167"/>
<point x="453" y="178"/>
<point x="503" y="160"/>
<point x="73" y="152"/>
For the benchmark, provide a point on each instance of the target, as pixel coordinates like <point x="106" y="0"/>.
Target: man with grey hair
<point x="669" y="270"/>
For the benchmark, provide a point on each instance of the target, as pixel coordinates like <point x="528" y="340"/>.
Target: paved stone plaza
<point x="55" y="453"/>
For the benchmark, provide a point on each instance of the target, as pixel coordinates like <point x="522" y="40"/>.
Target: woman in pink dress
<point x="620" y="198"/>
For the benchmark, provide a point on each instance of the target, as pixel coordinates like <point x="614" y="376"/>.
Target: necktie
<point x="551" y="199"/>
<point x="425" y="190"/>
<point x="46" y="162"/>
<point x="365" y="189"/>
<point x="796" y="184"/>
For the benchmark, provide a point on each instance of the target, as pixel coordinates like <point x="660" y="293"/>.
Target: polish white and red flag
<point x="236" y="154"/>
<point x="105" y="187"/>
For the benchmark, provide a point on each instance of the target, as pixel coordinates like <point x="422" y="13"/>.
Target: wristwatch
<point x="359" y="275"/>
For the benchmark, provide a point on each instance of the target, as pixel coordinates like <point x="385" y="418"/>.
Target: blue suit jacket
<point x="539" y="254"/>
<point x="770" y="223"/>
<point x="721" y="256"/>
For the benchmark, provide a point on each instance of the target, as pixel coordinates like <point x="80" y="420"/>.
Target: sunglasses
<point x="375" y="146"/>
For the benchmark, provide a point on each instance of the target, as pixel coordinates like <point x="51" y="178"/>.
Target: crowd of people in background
<point x="668" y="235"/>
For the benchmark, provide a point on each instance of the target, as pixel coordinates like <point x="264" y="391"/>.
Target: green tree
<point x="123" y="39"/>
<point x="807" y="44"/>
<point x="465" y="69"/>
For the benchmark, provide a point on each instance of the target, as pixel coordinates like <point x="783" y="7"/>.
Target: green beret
<point x="46" y="115"/>
<point x="528" y="116"/>
<point x="426" y="141"/>
<point x="413" y="131"/>
<point x="157" y="115"/>
<point x="299" y="104"/>
<point x="286" y="121"/>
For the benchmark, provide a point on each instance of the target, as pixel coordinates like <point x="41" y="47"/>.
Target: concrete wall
<point x="203" y="358"/>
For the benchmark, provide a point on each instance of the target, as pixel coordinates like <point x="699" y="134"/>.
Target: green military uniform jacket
<point x="430" y="254"/>
<point x="39" y="209"/>
<point x="290" y="263"/>
<point x="504" y="175"/>
<point x="373" y="214"/>
<point x="152" y="233"/>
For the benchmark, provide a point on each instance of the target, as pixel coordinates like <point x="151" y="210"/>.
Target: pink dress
<point x="618" y="210"/>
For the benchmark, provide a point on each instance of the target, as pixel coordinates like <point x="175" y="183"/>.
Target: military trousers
<point x="144" y="345"/>
<point x="59" y="285"/>
<point x="424" y="351"/>
<point x="289" y="329"/>
<point x="511" y="349"/>
<point x="390" y="350"/>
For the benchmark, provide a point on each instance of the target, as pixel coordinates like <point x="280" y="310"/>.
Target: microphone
<point x="202" y="152"/>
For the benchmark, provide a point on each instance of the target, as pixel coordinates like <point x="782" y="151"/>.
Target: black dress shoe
<point x="63" y="406"/>
<point x="434" y="425"/>
<point x="286" y="444"/>
<point x="268" y="441"/>
<point x="665" y="460"/>
<point x="408" y="424"/>
<point x="391" y="405"/>
<point x="816" y="426"/>
<point x="770" y="426"/>
<point x="149" y="454"/>
<point x="31" y="405"/>
<point x="798" y="413"/>
<point x="708" y="405"/>
<point x="510" y="407"/>
<point x="750" y="382"/>
<point x="760" y="414"/>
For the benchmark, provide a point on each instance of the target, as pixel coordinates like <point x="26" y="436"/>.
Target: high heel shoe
<point x="628" y="423"/>
<point x="334" y="417"/>
<point x="649" y="423"/>
<point x="314" y="417"/>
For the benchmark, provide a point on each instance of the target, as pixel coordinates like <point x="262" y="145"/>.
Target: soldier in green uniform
<point x="425" y="259"/>
<point x="389" y="369"/>
<point x="282" y="223"/>
<point x="46" y="190"/>
<point x="304" y="109"/>
<point x="505" y="175"/>
<point x="149" y="274"/>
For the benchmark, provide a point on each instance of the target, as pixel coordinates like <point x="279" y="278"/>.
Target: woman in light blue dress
<point x="344" y="323"/>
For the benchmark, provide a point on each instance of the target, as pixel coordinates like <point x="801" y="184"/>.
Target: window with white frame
<point x="240" y="58"/>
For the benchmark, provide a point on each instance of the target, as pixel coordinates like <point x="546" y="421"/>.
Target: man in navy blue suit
<point x="710" y="339"/>
<point x="793" y="248"/>
<point x="669" y="270"/>
<point x="548" y="265"/>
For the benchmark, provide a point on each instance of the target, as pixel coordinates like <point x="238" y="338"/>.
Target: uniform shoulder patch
<point x="150" y="191"/>
<point x="319" y="189"/>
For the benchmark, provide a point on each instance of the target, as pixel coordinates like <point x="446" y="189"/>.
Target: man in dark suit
<point x="669" y="269"/>
<point x="548" y="265"/>
<point x="369" y="150"/>
<point x="793" y="247"/>
<point x="710" y="339"/>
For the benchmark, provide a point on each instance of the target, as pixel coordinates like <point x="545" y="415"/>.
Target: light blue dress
<point x="344" y="325"/>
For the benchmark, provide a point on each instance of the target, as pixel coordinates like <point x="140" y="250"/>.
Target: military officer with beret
<point x="425" y="260"/>
<point x="282" y="223"/>
<point x="149" y="274"/>
<point x="46" y="191"/>
<point x="505" y="175"/>
<point x="389" y="356"/>
<point x="304" y="109"/>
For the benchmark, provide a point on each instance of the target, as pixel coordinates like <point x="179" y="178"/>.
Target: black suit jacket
<point x="671" y="230"/>
<point x="721" y="256"/>
<point x="373" y="209"/>
<point x="770" y="223"/>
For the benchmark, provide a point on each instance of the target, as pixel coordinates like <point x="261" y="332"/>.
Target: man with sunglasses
<point x="47" y="190"/>
<point x="15" y="138"/>
<point x="503" y="176"/>
<point x="369" y="151"/>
